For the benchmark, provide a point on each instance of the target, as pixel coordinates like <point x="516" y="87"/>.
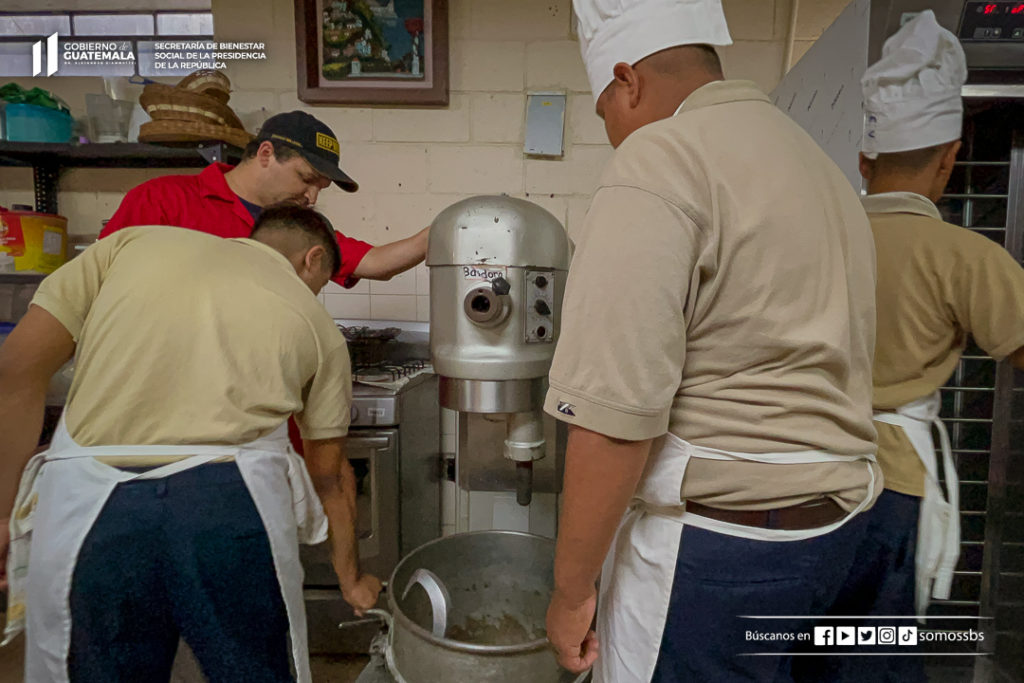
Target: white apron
<point x="636" y="580"/>
<point x="938" y="528"/>
<point x="71" y="488"/>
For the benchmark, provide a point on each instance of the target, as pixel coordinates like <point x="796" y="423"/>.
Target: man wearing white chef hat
<point x="719" y="386"/>
<point x="937" y="284"/>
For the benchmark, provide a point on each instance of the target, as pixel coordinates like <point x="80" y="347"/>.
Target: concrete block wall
<point x="413" y="162"/>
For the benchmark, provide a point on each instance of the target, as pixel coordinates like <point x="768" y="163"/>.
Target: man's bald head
<point x="653" y="88"/>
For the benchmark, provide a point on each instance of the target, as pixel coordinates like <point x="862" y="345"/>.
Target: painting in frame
<point x="372" y="51"/>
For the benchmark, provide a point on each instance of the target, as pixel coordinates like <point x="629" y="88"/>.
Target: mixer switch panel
<point x="540" y="317"/>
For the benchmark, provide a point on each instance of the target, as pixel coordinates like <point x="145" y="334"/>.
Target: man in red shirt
<point x="293" y="158"/>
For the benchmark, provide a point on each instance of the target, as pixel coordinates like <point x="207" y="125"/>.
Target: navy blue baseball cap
<point x="311" y="138"/>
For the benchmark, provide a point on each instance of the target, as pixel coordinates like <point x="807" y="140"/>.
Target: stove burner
<point x="388" y="372"/>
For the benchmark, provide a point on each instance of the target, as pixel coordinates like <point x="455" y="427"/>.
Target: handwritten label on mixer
<point x="483" y="273"/>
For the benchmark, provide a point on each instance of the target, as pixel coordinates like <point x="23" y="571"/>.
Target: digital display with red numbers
<point x="1001" y="22"/>
<point x="999" y="8"/>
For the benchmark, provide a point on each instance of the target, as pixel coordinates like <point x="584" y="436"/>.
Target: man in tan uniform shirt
<point x="719" y="384"/>
<point x="937" y="284"/>
<point x="181" y="339"/>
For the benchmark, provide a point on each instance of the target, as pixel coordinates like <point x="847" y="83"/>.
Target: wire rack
<point x="983" y="406"/>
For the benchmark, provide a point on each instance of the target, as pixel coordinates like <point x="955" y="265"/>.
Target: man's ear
<point x="316" y="259"/>
<point x="627" y="77"/>
<point x="866" y="166"/>
<point x="944" y="170"/>
<point x="265" y="153"/>
<point x="948" y="160"/>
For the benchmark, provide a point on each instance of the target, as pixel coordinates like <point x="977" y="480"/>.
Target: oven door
<point x="373" y="454"/>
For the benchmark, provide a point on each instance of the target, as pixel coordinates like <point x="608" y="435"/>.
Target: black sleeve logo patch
<point x="566" y="409"/>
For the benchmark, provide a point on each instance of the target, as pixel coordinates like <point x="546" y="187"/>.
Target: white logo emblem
<point x="886" y="635"/>
<point x="51" y="56"/>
<point x="865" y="635"/>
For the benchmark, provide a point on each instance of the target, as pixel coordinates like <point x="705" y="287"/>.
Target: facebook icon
<point x="824" y="635"/>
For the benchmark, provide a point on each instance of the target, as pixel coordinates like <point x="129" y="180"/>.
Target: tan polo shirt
<point x="937" y="284"/>
<point x="185" y="338"/>
<point x="722" y="289"/>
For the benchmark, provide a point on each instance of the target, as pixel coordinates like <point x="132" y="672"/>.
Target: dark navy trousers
<point x="719" y="579"/>
<point x="186" y="555"/>
<point x="881" y="582"/>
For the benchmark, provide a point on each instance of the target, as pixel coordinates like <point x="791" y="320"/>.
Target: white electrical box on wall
<point x="545" y="124"/>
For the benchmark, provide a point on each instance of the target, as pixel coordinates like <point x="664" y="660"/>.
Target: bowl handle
<point x="382" y="614"/>
<point x="438" y="595"/>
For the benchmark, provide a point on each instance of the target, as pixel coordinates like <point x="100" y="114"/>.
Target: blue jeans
<point x="186" y="555"/>
<point x="718" y="578"/>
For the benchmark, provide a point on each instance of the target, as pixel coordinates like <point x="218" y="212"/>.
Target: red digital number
<point x="1019" y="9"/>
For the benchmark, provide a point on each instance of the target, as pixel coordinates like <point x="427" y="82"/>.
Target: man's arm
<point x="29" y="357"/>
<point x="335" y="484"/>
<point x="387" y="260"/>
<point x="601" y="475"/>
<point x="33" y="352"/>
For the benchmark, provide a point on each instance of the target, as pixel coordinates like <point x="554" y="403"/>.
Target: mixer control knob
<point x="500" y="286"/>
<point x="542" y="307"/>
<point x="541" y="282"/>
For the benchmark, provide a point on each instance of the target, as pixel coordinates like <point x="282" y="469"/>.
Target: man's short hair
<point x="281" y="152"/>
<point x="909" y="162"/>
<point x="311" y="224"/>
<point x="675" y="61"/>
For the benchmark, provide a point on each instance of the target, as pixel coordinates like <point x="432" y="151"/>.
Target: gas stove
<point x="390" y="374"/>
<point x="404" y="363"/>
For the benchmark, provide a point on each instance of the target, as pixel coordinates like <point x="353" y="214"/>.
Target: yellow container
<point x="37" y="242"/>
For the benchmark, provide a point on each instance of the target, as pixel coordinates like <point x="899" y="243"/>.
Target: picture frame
<point x="384" y="52"/>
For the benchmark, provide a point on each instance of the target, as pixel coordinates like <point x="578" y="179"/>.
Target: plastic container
<point x="36" y="241"/>
<point x="128" y="89"/>
<point x="32" y="123"/>
<point x="109" y="119"/>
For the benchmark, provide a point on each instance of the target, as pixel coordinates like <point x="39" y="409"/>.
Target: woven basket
<point x="169" y="102"/>
<point x="207" y="82"/>
<point x="190" y="131"/>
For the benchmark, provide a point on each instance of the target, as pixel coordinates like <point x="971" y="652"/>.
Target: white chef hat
<point x="912" y="94"/>
<point x="613" y="31"/>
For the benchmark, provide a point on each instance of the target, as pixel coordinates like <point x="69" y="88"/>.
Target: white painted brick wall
<point x="476" y="169"/>
<point x="450" y="124"/>
<point x="555" y="64"/>
<point x="487" y="65"/>
<point x="412" y="162"/>
<point x="497" y="117"/>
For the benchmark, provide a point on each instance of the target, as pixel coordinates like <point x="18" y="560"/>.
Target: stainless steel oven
<point x="373" y="454"/>
<point x="394" y="449"/>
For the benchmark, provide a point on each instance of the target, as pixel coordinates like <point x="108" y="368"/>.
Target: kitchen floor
<point x="325" y="669"/>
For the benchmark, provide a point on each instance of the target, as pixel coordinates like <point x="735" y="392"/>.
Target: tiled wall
<point x="411" y="163"/>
